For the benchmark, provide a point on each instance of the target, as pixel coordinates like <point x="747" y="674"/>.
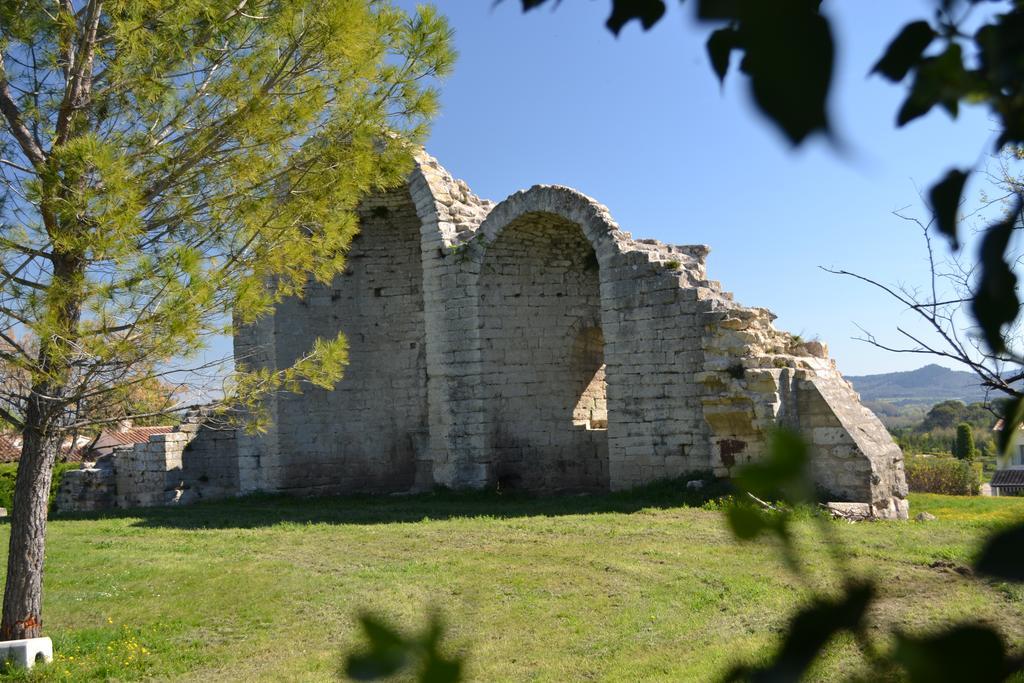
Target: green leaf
<point x="810" y="631"/>
<point x="939" y="80"/>
<point x="789" y="58"/>
<point x="720" y="46"/>
<point x="905" y="51"/>
<point x="915" y="106"/>
<point x="648" y="12"/>
<point x="995" y="301"/>
<point x="945" y="200"/>
<point x="1002" y="557"/>
<point x="1000" y="48"/>
<point x="782" y="473"/>
<point x="746" y="521"/>
<point x="963" y="653"/>
<point x="1013" y="416"/>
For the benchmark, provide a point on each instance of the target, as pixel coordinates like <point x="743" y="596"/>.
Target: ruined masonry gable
<point x="532" y="344"/>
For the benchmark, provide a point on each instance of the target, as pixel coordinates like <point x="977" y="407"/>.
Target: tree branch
<point x="10" y="418"/>
<point x="77" y="91"/>
<point x="9" y="108"/>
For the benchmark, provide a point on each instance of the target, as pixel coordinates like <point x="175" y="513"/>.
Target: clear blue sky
<point x="640" y="123"/>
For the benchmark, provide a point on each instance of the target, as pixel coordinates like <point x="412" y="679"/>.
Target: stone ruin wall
<point x="195" y="462"/>
<point x="369" y="436"/>
<point x="533" y="344"/>
<point x="756" y="377"/>
<point x="540" y="352"/>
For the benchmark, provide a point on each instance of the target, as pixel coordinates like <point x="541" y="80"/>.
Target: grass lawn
<point x="620" y="587"/>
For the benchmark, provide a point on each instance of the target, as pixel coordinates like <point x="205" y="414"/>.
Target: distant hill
<point x="901" y="399"/>
<point x="922" y="387"/>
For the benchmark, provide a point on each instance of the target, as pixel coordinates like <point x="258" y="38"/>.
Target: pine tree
<point x="164" y="164"/>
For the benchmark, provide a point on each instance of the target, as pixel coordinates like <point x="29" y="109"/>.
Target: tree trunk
<point x="23" y="591"/>
<point x="41" y="441"/>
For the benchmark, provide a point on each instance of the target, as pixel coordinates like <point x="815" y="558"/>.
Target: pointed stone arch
<point x="541" y="340"/>
<point x="572" y="206"/>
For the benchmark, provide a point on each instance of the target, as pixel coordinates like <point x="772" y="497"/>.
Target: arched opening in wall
<point x="588" y="370"/>
<point x="542" y="353"/>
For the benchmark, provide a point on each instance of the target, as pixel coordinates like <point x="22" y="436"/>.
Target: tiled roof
<point x="10" y="448"/>
<point x="1008" y="478"/>
<point x="126" y="437"/>
<point x="999" y="425"/>
<point x="74" y="452"/>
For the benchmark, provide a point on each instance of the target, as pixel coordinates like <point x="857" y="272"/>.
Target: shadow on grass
<point x="267" y="510"/>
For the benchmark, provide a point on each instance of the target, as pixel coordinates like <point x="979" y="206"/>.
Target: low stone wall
<point x="207" y="468"/>
<point x="194" y="463"/>
<point x="142" y="471"/>
<point x="87" y="489"/>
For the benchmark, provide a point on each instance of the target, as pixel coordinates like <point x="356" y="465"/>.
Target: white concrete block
<point x="26" y="652"/>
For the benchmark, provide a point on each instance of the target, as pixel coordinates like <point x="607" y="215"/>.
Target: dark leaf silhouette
<point x="917" y="104"/>
<point x="1002" y="557"/>
<point x="809" y="632"/>
<point x="995" y="300"/>
<point x="714" y="10"/>
<point x="390" y="652"/>
<point x="945" y="200"/>
<point x="939" y="80"/>
<point x="788" y="53"/>
<point x="789" y="57"/>
<point x="1001" y="46"/>
<point x="905" y="50"/>
<point x="647" y="12"/>
<point x="440" y="670"/>
<point x="963" y="653"/>
<point x="720" y="47"/>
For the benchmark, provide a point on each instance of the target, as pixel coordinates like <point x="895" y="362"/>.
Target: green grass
<point x="619" y="587"/>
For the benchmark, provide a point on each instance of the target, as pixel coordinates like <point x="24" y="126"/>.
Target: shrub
<point x="8" y="472"/>
<point x="943" y="475"/>
<point x="964" y="447"/>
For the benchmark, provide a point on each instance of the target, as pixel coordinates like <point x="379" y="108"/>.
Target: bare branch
<point x="12" y="113"/>
<point x="78" y="86"/>
<point x="11" y="419"/>
<point x="23" y="169"/>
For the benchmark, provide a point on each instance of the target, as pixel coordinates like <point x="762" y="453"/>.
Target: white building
<point x="1009" y="475"/>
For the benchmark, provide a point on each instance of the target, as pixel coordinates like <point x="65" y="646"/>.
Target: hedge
<point x="940" y="474"/>
<point x="9" y="470"/>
